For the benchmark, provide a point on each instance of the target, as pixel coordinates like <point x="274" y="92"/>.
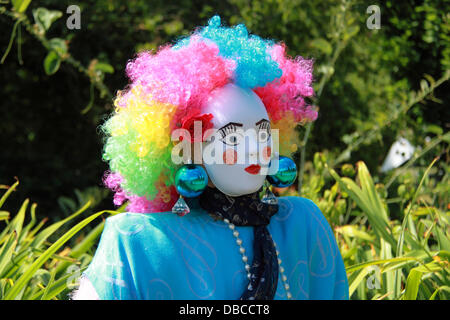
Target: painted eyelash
<point x="228" y="129"/>
<point x="265" y="125"/>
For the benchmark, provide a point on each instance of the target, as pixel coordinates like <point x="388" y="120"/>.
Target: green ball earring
<point x="190" y="181"/>
<point x="286" y="174"/>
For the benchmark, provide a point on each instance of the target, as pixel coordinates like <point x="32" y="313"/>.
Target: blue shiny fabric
<point x="164" y="256"/>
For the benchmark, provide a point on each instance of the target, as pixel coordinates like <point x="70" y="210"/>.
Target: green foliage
<point x="44" y="18"/>
<point x="51" y="63"/>
<point x="372" y="86"/>
<point x="30" y="267"/>
<point x="387" y="258"/>
<point x="20" y="5"/>
<point x="362" y="76"/>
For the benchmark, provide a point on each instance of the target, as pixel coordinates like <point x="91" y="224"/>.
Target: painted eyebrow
<point x="232" y="124"/>
<point x="261" y="121"/>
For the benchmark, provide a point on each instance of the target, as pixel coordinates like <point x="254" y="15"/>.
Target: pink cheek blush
<point x="230" y="157"/>
<point x="267" y="152"/>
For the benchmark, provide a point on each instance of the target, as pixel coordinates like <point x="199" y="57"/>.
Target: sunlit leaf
<point x="23" y="280"/>
<point x="20" y="5"/>
<point x="58" y="45"/>
<point x="104" y="67"/>
<point x="44" y="18"/>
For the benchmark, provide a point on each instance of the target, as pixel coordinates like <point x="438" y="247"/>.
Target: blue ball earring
<point x="286" y="174"/>
<point x="190" y="181"/>
<point x="284" y="177"/>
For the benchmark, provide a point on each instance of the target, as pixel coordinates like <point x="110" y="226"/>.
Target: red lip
<point x="253" y="169"/>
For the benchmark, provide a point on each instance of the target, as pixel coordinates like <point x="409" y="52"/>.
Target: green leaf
<point x="434" y="129"/>
<point x="405" y="219"/>
<point x="67" y="204"/>
<point x="49" y="284"/>
<point x="58" y="45"/>
<point x="442" y="288"/>
<point x="415" y="278"/>
<point x="28" y="274"/>
<point x="37" y="228"/>
<point x="322" y="45"/>
<point x="368" y="187"/>
<point x="4" y="215"/>
<point x="20" y="5"/>
<point x="41" y="276"/>
<point x="17" y="222"/>
<point x="444" y="242"/>
<point x="446" y="137"/>
<point x="429" y="267"/>
<point x="173" y="27"/>
<point x="44" y="18"/>
<point x="8" y="192"/>
<point x="52" y="62"/>
<point x="56" y="287"/>
<point x="25" y="231"/>
<point x="362" y="265"/>
<point x="354" y="232"/>
<point x="360" y="277"/>
<point x="47" y="232"/>
<point x="6" y="251"/>
<point x="444" y="254"/>
<point x="104" y="67"/>
<point x="412" y="285"/>
<point x="352" y="31"/>
<point x="367" y="202"/>
<point x="416" y="256"/>
<point x="83" y="246"/>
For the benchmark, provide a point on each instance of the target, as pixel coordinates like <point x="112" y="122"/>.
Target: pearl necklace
<point x="245" y="258"/>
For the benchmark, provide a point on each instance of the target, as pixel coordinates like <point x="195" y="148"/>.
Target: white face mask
<point x="244" y="140"/>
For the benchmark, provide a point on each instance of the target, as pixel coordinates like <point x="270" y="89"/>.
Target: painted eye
<point x="263" y="135"/>
<point x="232" y="139"/>
<point x="263" y="131"/>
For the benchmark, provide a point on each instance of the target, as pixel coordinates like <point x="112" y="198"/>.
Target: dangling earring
<point x="268" y="196"/>
<point x="286" y="174"/>
<point x="190" y="181"/>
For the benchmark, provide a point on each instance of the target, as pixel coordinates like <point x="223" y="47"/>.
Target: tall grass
<point x="387" y="257"/>
<point x="33" y="268"/>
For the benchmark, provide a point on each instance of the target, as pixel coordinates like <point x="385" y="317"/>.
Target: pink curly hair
<point x="173" y="84"/>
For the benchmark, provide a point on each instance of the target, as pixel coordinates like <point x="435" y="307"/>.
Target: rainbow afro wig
<point x="174" y="83"/>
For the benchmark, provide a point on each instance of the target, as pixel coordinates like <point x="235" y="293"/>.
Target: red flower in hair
<point x="189" y="121"/>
